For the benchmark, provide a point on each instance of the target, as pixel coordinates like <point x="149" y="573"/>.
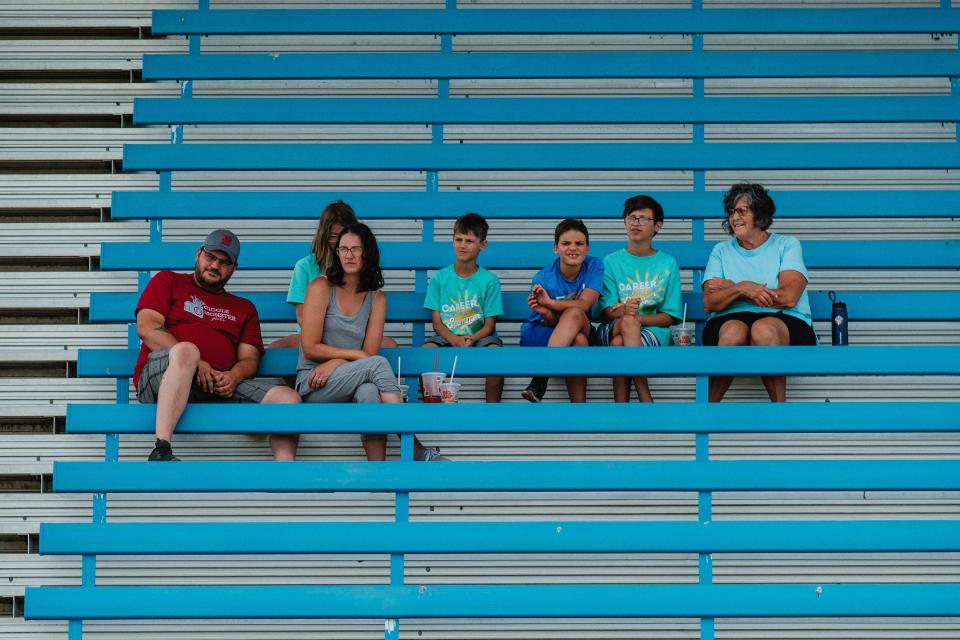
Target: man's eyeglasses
<point x="224" y="262"/>
<point x="639" y="220"/>
<point x="353" y="251"/>
<point x="739" y="211"/>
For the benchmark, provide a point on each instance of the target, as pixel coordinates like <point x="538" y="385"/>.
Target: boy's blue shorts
<point x="535" y="334"/>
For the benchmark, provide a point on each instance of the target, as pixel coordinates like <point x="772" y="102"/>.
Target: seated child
<point x="641" y="291"/>
<point x="465" y="298"/>
<point x="561" y="297"/>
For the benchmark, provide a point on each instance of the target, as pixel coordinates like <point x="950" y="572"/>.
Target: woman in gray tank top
<point x="342" y="329"/>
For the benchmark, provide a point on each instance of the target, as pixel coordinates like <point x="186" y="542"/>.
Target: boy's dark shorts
<point x="148" y="385"/>
<point x="492" y="339"/>
<point x="801" y="334"/>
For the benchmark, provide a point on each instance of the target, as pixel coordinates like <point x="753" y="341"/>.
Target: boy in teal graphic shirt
<point x="641" y="291"/>
<point x="465" y="298"/>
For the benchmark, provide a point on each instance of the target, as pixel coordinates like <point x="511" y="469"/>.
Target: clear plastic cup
<point x="450" y="392"/>
<point x="431" y="385"/>
<point x="404" y="392"/>
<point x="683" y="336"/>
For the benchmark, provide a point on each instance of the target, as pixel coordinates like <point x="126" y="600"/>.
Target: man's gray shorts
<point x="157" y="362"/>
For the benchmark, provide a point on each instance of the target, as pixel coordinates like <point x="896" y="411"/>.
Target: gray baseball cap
<point x="223" y="240"/>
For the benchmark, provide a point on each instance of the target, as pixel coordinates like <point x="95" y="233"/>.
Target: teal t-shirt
<point x="464" y="303"/>
<point x="655" y="279"/>
<point x="304" y="272"/>
<point x="730" y="261"/>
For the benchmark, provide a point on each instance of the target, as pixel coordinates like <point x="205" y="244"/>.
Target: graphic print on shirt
<point x="197" y="307"/>
<point x="651" y="289"/>
<point x="464" y="314"/>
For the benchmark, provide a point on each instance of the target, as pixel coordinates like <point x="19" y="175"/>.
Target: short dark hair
<point x="472" y="223"/>
<point x="371" y="276"/>
<point x="570" y="224"/>
<point x="640" y="202"/>
<point x="758" y="199"/>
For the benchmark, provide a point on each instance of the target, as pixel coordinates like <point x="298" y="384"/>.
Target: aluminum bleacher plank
<point x="526" y="361"/>
<point x="499" y="537"/>
<point x="538" y="21"/>
<point x="818" y="254"/>
<point x="545" y="110"/>
<point x="587" y="205"/>
<point x="498" y="601"/>
<point x="709" y="64"/>
<point x="527" y="157"/>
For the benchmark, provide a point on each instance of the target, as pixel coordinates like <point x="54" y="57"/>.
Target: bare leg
<point x="771" y="332"/>
<point x="630" y="331"/>
<point x="284" y="446"/>
<point x="376" y="449"/>
<point x="577" y="385"/>
<point x="621" y="390"/>
<point x="174" y="391"/>
<point x="573" y="329"/>
<point x="733" y="333"/>
<point x="388" y="343"/>
<point x="493" y="386"/>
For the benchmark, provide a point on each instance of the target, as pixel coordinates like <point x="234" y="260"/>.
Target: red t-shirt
<point x="215" y="322"/>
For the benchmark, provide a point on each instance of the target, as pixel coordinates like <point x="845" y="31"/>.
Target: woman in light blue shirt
<point x="755" y="286"/>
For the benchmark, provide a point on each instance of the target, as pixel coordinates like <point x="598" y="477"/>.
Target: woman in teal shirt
<point x="755" y="286"/>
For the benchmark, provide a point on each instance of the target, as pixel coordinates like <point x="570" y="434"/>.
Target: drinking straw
<point x="684" y="322"/>
<point x="454" y="370"/>
<point x="398" y="370"/>
<point x="436" y="361"/>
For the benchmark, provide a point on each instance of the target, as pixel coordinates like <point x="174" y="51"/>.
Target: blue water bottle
<point x="838" y="321"/>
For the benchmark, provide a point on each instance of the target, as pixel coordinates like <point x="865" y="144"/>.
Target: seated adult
<point x="342" y="320"/>
<point x="754" y="286"/>
<point x="200" y="343"/>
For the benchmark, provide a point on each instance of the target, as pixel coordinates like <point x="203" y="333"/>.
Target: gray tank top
<point x="341" y="330"/>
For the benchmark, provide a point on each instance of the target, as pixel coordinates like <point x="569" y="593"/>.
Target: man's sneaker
<point x="535" y="390"/>
<point x="162" y="452"/>
<point x="431" y="455"/>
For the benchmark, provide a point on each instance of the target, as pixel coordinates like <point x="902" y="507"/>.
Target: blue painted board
<point x="499" y="537"/>
<point x="501" y="601"/>
<point x="740" y="475"/>
<point x="864" y="306"/>
<point x="540" y="157"/>
<point x="545" y="110"/>
<point x="552" y="205"/>
<point x="740" y="417"/>
<point x="635" y="64"/>
<point x="547" y="21"/>
<point x="690" y="254"/>
<point x="594" y="362"/>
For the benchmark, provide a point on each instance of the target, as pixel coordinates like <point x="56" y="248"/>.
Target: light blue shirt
<point x="464" y="303"/>
<point x="655" y="279"/>
<point x="730" y="261"/>
<point x="304" y="273"/>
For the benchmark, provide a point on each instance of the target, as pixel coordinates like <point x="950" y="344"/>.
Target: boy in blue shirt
<point x="465" y="298"/>
<point x="641" y="291"/>
<point x="561" y="297"/>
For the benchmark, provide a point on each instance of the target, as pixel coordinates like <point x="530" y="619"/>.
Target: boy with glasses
<point x="641" y="291"/>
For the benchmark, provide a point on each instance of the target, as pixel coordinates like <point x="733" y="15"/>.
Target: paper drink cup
<point x="431" y="385"/>
<point x="404" y="391"/>
<point x="450" y="392"/>
<point x="683" y="336"/>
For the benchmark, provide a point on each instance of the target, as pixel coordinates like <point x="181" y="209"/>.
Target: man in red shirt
<point x="202" y="344"/>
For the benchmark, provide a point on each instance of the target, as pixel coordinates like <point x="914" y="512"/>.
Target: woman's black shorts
<point x="801" y="334"/>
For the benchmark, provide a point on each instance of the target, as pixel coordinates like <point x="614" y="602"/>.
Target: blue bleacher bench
<point x="694" y="156"/>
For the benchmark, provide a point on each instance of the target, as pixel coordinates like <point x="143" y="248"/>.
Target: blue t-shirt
<point x="559" y="288"/>
<point x="730" y="261"/>
<point x="304" y="273"/>
<point x="654" y="279"/>
<point x="464" y="303"/>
